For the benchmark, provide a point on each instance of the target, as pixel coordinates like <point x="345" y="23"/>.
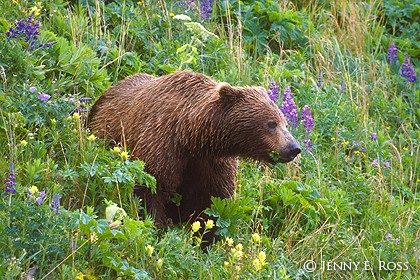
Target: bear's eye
<point x="272" y="125"/>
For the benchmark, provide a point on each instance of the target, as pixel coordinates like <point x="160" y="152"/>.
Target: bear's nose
<point x="294" y="150"/>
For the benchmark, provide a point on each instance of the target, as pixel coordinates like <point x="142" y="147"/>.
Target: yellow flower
<point x="209" y="224"/>
<point x="92" y="137"/>
<point x="196" y="226"/>
<point x="238" y="255"/>
<point x="256" y="237"/>
<point x="76" y="116"/>
<point x="237" y="269"/>
<point x="333" y="139"/>
<point x="262" y="256"/>
<point x="159" y="264"/>
<point x="124" y="155"/>
<point x="239" y="247"/>
<point x="79" y="276"/>
<point x="346" y="142"/>
<point x="35" y="10"/>
<point x="172" y="14"/>
<point x="226" y="264"/>
<point x="33" y="189"/>
<point x="93" y="237"/>
<point x="229" y="241"/>
<point x="116" y="150"/>
<point x="405" y="149"/>
<point x="257" y="264"/>
<point x="149" y="250"/>
<point x="23" y="143"/>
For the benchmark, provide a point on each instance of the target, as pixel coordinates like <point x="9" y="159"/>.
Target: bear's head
<point x="257" y="128"/>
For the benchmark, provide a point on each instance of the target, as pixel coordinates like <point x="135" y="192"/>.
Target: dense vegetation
<point x="348" y="207"/>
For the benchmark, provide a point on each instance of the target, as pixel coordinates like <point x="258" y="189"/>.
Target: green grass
<point x="331" y="208"/>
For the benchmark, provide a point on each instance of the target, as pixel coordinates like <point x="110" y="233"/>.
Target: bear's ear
<point x="226" y="91"/>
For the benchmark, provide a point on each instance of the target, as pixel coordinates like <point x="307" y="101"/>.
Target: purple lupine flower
<point x="388" y="236"/>
<point x="32" y="89"/>
<point x="47" y="45"/>
<point x="407" y="70"/>
<point x="397" y="240"/>
<point x="78" y="110"/>
<point x="308" y="121"/>
<point x="273" y="92"/>
<point x="363" y="149"/>
<point x="392" y="53"/>
<point x="10" y="190"/>
<point x="289" y="108"/>
<point x="343" y="86"/>
<point x="85" y="99"/>
<point x="55" y="203"/>
<point x="387" y="164"/>
<point x="319" y="83"/>
<point x="187" y="4"/>
<point x="374" y="136"/>
<point x="43" y="96"/>
<point x="375" y="161"/>
<point x="206" y="9"/>
<point x="307" y="145"/>
<point x="10" y="184"/>
<point x="28" y="31"/>
<point x="40" y="199"/>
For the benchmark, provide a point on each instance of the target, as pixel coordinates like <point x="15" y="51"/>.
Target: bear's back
<point x="145" y="103"/>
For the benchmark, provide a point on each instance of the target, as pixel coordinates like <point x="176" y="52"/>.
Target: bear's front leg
<point x="202" y="179"/>
<point x="167" y="182"/>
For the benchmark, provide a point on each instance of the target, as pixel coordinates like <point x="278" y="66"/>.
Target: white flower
<point x="182" y="17"/>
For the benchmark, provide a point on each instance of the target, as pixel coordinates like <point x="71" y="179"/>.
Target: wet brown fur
<point x="190" y="131"/>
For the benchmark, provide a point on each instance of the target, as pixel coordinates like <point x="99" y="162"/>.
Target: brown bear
<point x="190" y="132"/>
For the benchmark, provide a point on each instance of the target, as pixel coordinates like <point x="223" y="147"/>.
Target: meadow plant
<point x="55" y="203"/>
<point x="28" y="31"/>
<point x="273" y="92"/>
<point x="308" y="126"/>
<point x="307" y="144"/>
<point x="187" y="4"/>
<point x="206" y="8"/>
<point x="407" y="70"/>
<point x="289" y="108"/>
<point x="374" y="136"/>
<point x="392" y="53"/>
<point x="11" y="182"/>
<point x="308" y="121"/>
<point x="343" y="86"/>
<point x="319" y="83"/>
<point x="43" y="96"/>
